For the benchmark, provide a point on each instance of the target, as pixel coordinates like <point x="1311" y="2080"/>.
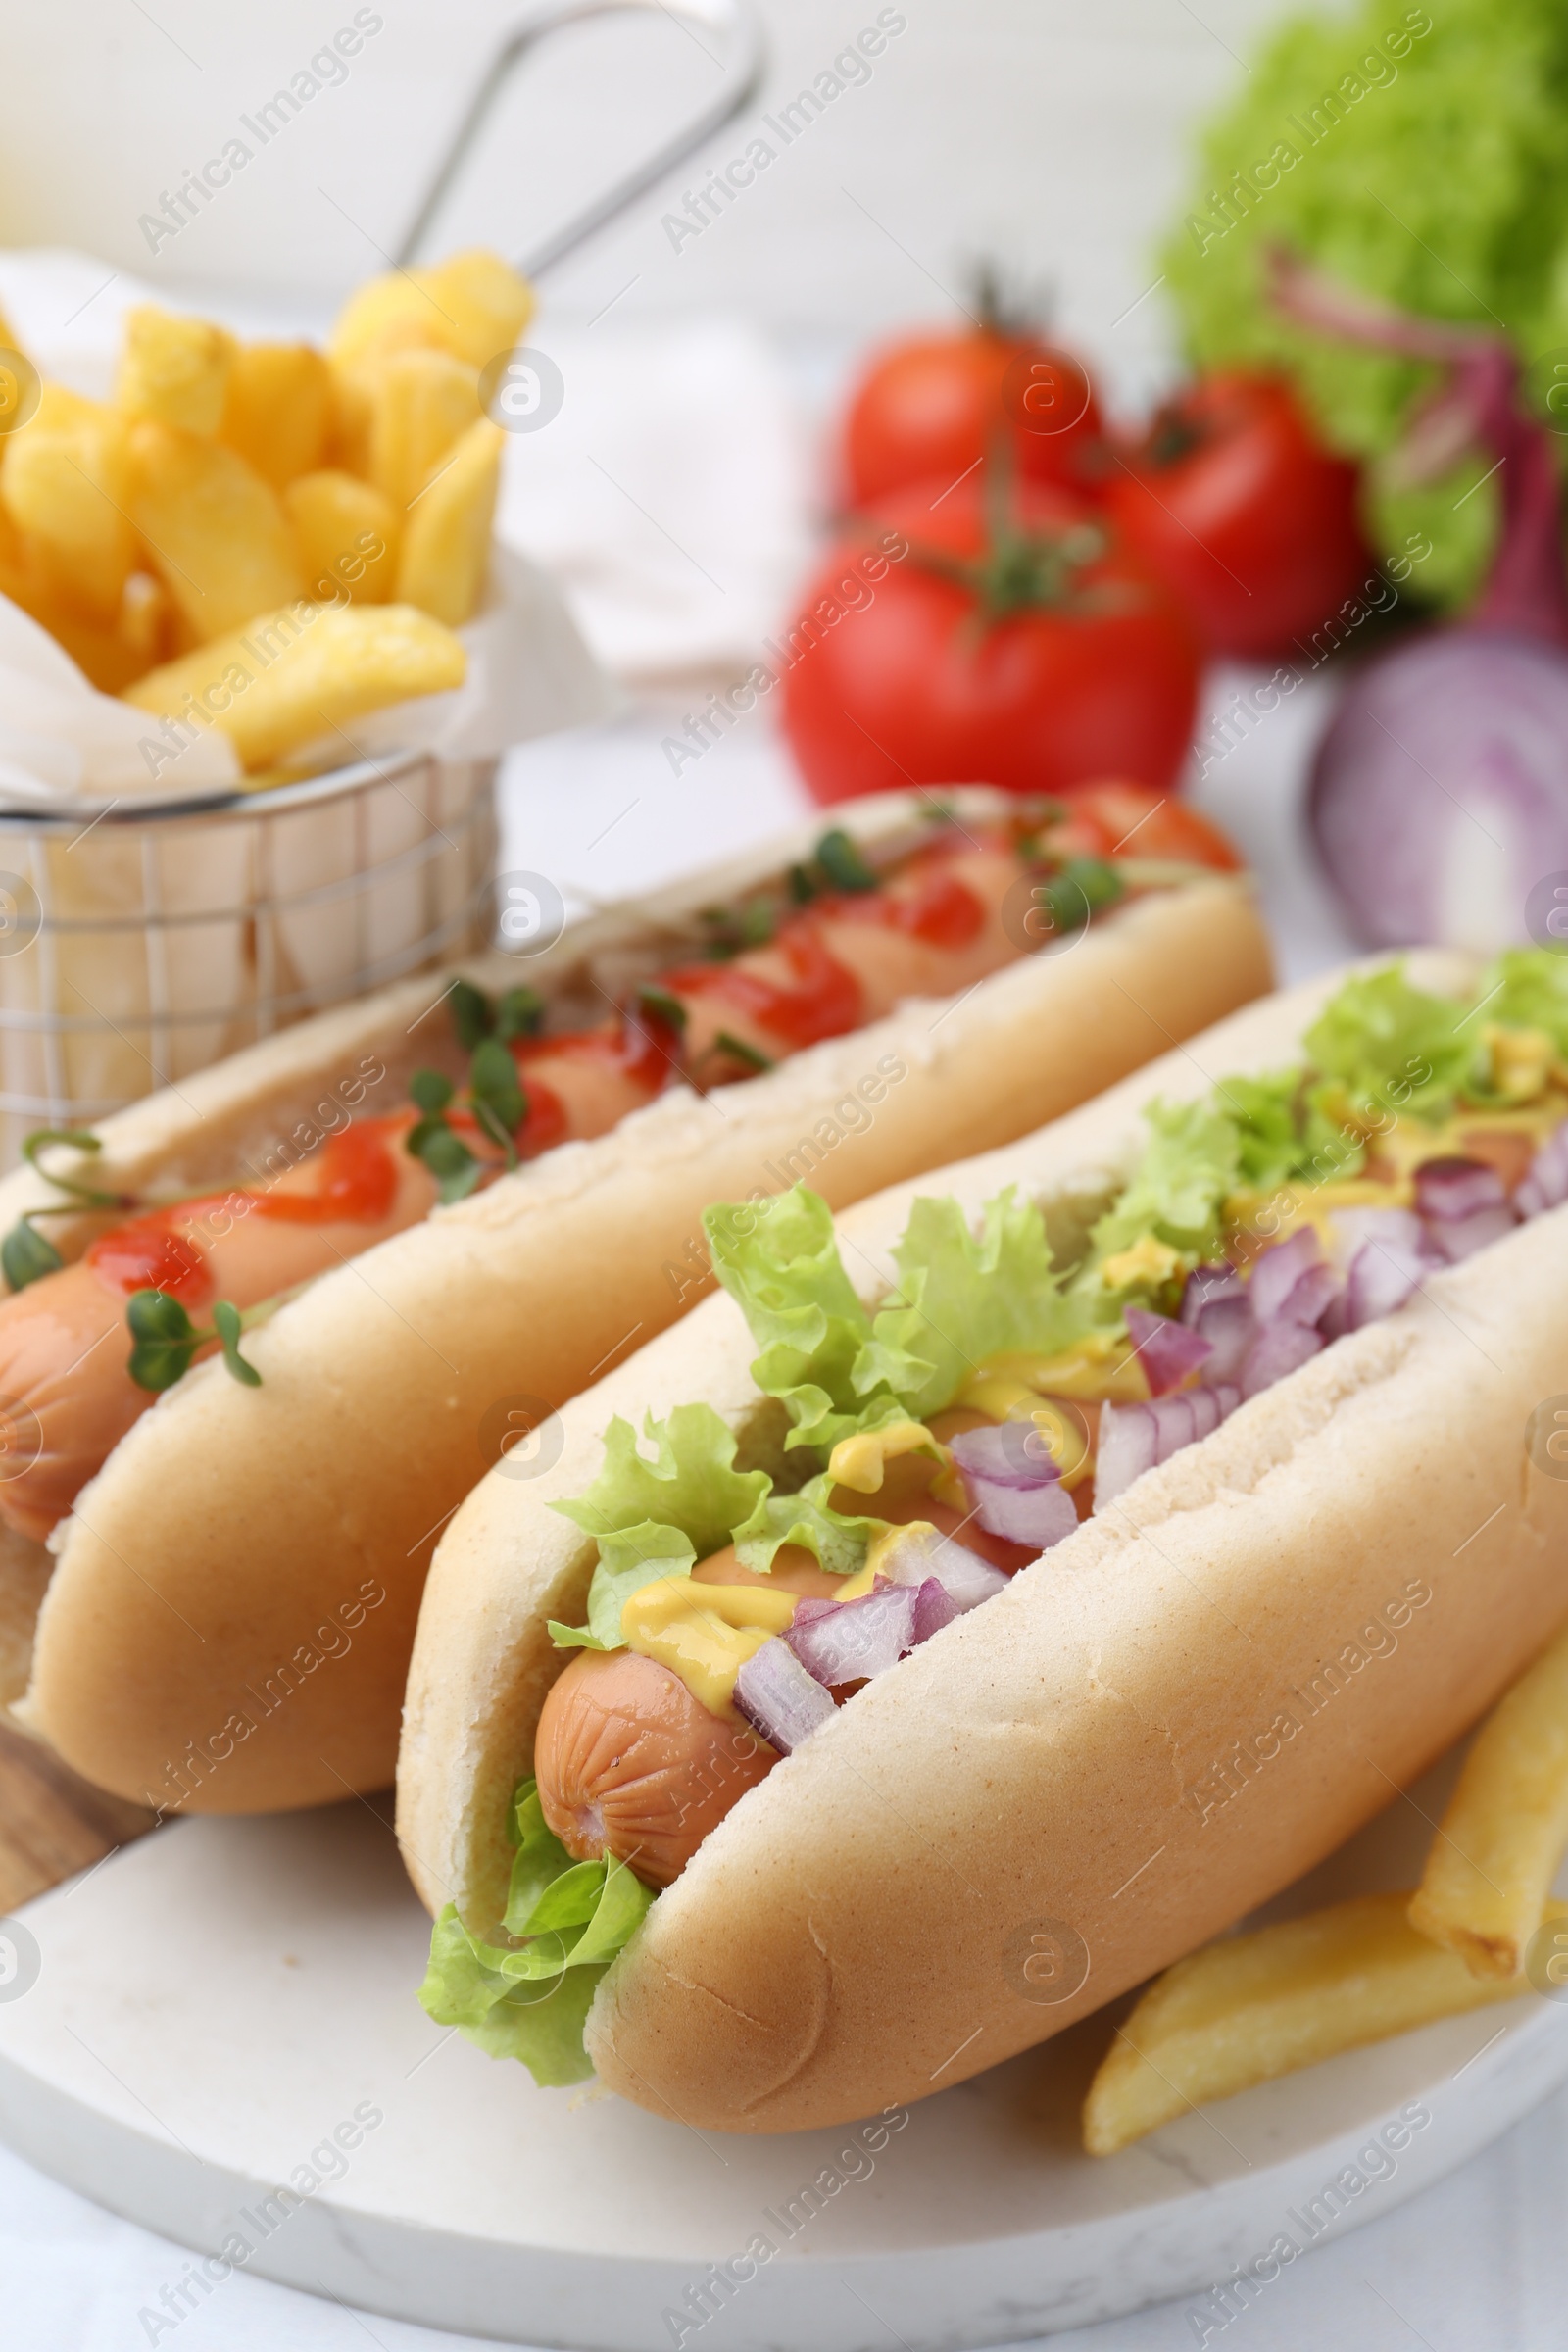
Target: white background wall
<point x="1048" y="133"/>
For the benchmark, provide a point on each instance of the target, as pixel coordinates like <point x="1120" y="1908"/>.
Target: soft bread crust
<point x="230" y="1624"/>
<point x="854" y="1932"/>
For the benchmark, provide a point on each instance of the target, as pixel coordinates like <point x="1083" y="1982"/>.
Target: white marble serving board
<point x="214" y="2004"/>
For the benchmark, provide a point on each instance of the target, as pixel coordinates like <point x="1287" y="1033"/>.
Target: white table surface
<point x="1479" y="2264"/>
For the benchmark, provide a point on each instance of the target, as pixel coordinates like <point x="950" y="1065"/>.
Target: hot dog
<point x="574" y="1129"/>
<point x="1124" y="1437"/>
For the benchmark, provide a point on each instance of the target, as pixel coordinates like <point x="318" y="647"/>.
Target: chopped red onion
<point x="1309" y="1298"/>
<point x="934" y="1608"/>
<point x="1169" y="1353"/>
<point x="1382" y="1275"/>
<point x="1279" y="1348"/>
<point x="1207" y="1413"/>
<point x="1228" y="1326"/>
<point x="1206" y="1287"/>
<point x="1546" y="1184"/>
<point x="778" y="1698"/>
<point x="1451" y="1188"/>
<point x="1277" y="1271"/>
<point x="857" y="1638"/>
<point x="1458" y="1238"/>
<point x="1129" y="1441"/>
<point x="1038" y="1516"/>
<point x="1135" y="1438"/>
<point x="1175" y="1425"/>
<point x="1008" y="1454"/>
<point x="1014" y="1484"/>
<point x="1397" y="1229"/>
<point x="919" y="1553"/>
<point x="810" y="1606"/>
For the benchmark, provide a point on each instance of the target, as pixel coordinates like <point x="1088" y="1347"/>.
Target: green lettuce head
<point x="1415" y="153"/>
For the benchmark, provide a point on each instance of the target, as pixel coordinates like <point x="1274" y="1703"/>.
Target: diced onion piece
<point x="918" y="1554"/>
<point x="1206" y="1286"/>
<point x="1015" y="1495"/>
<point x="1309" y="1299"/>
<point x="856" y="1640"/>
<point x="1382" y="1275"/>
<point x="1135" y="1438"/>
<point x="1546" y="1184"/>
<point x="1460" y="1238"/>
<point x="1400" y="1230"/>
<point x="1009" y="1453"/>
<point x="1279" y="1348"/>
<point x="1227" y="1324"/>
<point x="1169" y="1353"/>
<point x="934" y="1608"/>
<point x="1129" y="1438"/>
<point x="1039" y="1516"/>
<point x="1451" y="1187"/>
<point x="1277" y="1271"/>
<point x="778" y="1698"/>
<point x="1175" y="1425"/>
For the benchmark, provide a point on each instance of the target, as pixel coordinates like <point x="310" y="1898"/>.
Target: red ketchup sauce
<point x="822" y="999"/>
<point x="357" y="1185"/>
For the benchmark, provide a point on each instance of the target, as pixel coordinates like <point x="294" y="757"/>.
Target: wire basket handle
<point x="745" y="56"/>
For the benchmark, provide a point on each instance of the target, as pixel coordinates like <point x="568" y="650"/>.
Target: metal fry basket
<point x="137" y="944"/>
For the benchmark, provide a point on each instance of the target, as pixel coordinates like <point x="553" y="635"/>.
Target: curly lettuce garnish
<point x="528" y="2000"/>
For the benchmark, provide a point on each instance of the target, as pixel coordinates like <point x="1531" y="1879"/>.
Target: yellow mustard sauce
<point x="704" y="1633"/>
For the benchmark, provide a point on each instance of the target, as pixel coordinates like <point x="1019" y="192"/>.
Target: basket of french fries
<point x="258" y="658"/>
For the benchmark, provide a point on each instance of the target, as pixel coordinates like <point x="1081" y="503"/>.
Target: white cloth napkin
<point x="670" y="497"/>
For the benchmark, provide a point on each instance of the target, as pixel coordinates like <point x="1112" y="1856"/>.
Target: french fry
<point x="418" y="404"/>
<point x="445" y="537"/>
<point x="472" y="306"/>
<point x="1483" y="1891"/>
<point x="215" y="533"/>
<point x="65" y="485"/>
<point x="347" y="534"/>
<point x="293" y="676"/>
<point x="278" y="409"/>
<point x="174" y="370"/>
<point x="145" y="622"/>
<point x="1253" y="2007"/>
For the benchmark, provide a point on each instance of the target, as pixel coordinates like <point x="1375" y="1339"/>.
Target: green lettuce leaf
<point x="627" y="1561"/>
<point x="964" y="1297"/>
<point x="529" y="2001"/>
<point x="779" y="1261"/>
<point x="839" y="1542"/>
<point x="1190" y="1164"/>
<point x="691" y="1484"/>
<point x="1436" y="178"/>
<point x="1280" y="1135"/>
<point x="1528" y="989"/>
<point x="1392" y="1047"/>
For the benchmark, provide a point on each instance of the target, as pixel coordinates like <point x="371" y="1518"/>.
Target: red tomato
<point x="1252" y="520"/>
<point x="1040" y="660"/>
<point x="936" y="405"/>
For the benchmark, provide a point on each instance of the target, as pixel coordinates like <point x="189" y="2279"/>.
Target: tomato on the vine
<point x="1232" y="496"/>
<point x="936" y="405"/>
<point x="1016" y="642"/>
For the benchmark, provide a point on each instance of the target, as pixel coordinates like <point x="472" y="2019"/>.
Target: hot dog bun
<point x="229" y="1622"/>
<point x="852" y="1933"/>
